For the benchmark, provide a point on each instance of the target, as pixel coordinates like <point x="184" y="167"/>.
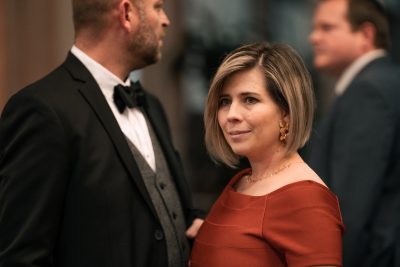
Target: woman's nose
<point x="234" y="113"/>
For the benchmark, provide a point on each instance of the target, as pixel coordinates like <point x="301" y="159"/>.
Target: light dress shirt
<point x="132" y="121"/>
<point x="354" y="68"/>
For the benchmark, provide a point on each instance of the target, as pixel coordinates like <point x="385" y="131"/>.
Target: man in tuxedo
<point x="88" y="172"/>
<point x="356" y="149"/>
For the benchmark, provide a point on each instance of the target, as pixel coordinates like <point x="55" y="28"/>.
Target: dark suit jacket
<point x="71" y="193"/>
<point x="357" y="152"/>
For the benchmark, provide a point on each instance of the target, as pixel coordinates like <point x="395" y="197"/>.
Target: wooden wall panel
<point x="3" y="56"/>
<point x="37" y="37"/>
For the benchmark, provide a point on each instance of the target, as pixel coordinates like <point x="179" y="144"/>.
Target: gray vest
<point x="165" y="198"/>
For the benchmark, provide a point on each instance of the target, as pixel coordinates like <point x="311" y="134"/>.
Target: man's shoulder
<point x="380" y="68"/>
<point x="55" y="84"/>
<point x="56" y="91"/>
<point x="377" y="83"/>
<point x="381" y="75"/>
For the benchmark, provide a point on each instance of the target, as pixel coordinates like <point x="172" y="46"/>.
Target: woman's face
<point x="248" y="116"/>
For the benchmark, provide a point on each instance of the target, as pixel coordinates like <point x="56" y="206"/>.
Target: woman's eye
<point x="250" y="100"/>
<point x="224" y="102"/>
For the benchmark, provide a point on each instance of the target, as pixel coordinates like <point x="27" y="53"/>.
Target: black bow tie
<point x="128" y="96"/>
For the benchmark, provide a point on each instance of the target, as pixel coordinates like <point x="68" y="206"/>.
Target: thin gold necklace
<point x="252" y="180"/>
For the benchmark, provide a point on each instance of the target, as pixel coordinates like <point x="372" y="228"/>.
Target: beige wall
<point x="3" y="56"/>
<point x="36" y="36"/>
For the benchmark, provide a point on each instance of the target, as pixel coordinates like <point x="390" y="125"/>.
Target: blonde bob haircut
<point x="288" y="82"/>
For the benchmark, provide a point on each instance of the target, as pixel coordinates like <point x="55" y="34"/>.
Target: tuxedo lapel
<point x="92" y="93"/>
<point x="158" y="121"/>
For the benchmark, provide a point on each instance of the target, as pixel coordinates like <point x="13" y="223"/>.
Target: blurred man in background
<point x="357" y="147"/>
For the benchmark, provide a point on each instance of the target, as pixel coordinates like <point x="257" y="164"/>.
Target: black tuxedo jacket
<point x="71" y="193"/>
<point x="357" y="152"/>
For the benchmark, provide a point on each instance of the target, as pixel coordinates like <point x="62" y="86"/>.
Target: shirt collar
<point x="105" y="78"/>
<point x="354" y="68"/>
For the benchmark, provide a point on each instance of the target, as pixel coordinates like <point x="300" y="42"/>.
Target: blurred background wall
<point x="36" y="36"/>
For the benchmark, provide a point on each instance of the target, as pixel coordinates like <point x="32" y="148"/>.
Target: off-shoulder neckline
<point x="278" y="190"/>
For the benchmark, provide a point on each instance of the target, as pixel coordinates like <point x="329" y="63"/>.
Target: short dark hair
<point x="371" y="11"/>
<point x="91" y="13"/>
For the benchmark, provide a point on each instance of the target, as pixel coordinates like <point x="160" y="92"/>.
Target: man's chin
<point x="158" y="56"/>
<point x="155" y="59"/>
<point x="321" y="65"/>
<point x="327" y="69"/>
<point x="152" y="58"/>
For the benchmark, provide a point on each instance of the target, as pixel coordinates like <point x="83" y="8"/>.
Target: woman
<point x="278" y="212"/>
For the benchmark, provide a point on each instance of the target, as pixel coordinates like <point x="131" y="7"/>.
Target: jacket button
<point x="162" y="185"/>
<point x="158" y="235"/>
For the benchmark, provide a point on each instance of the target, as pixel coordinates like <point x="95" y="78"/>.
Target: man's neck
<point x="105" y="54"/>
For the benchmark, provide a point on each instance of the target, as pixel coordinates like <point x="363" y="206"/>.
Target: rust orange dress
<point x="296" y="225"/>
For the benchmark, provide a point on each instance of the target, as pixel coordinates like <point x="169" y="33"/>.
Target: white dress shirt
<point x="132" y="121"/>
<point x="351" y="71"/>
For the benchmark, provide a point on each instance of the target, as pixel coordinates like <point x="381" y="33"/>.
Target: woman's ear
<point x="285" y="116"/>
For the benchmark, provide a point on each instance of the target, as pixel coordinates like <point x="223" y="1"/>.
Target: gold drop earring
<point x="283" y="131"/>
